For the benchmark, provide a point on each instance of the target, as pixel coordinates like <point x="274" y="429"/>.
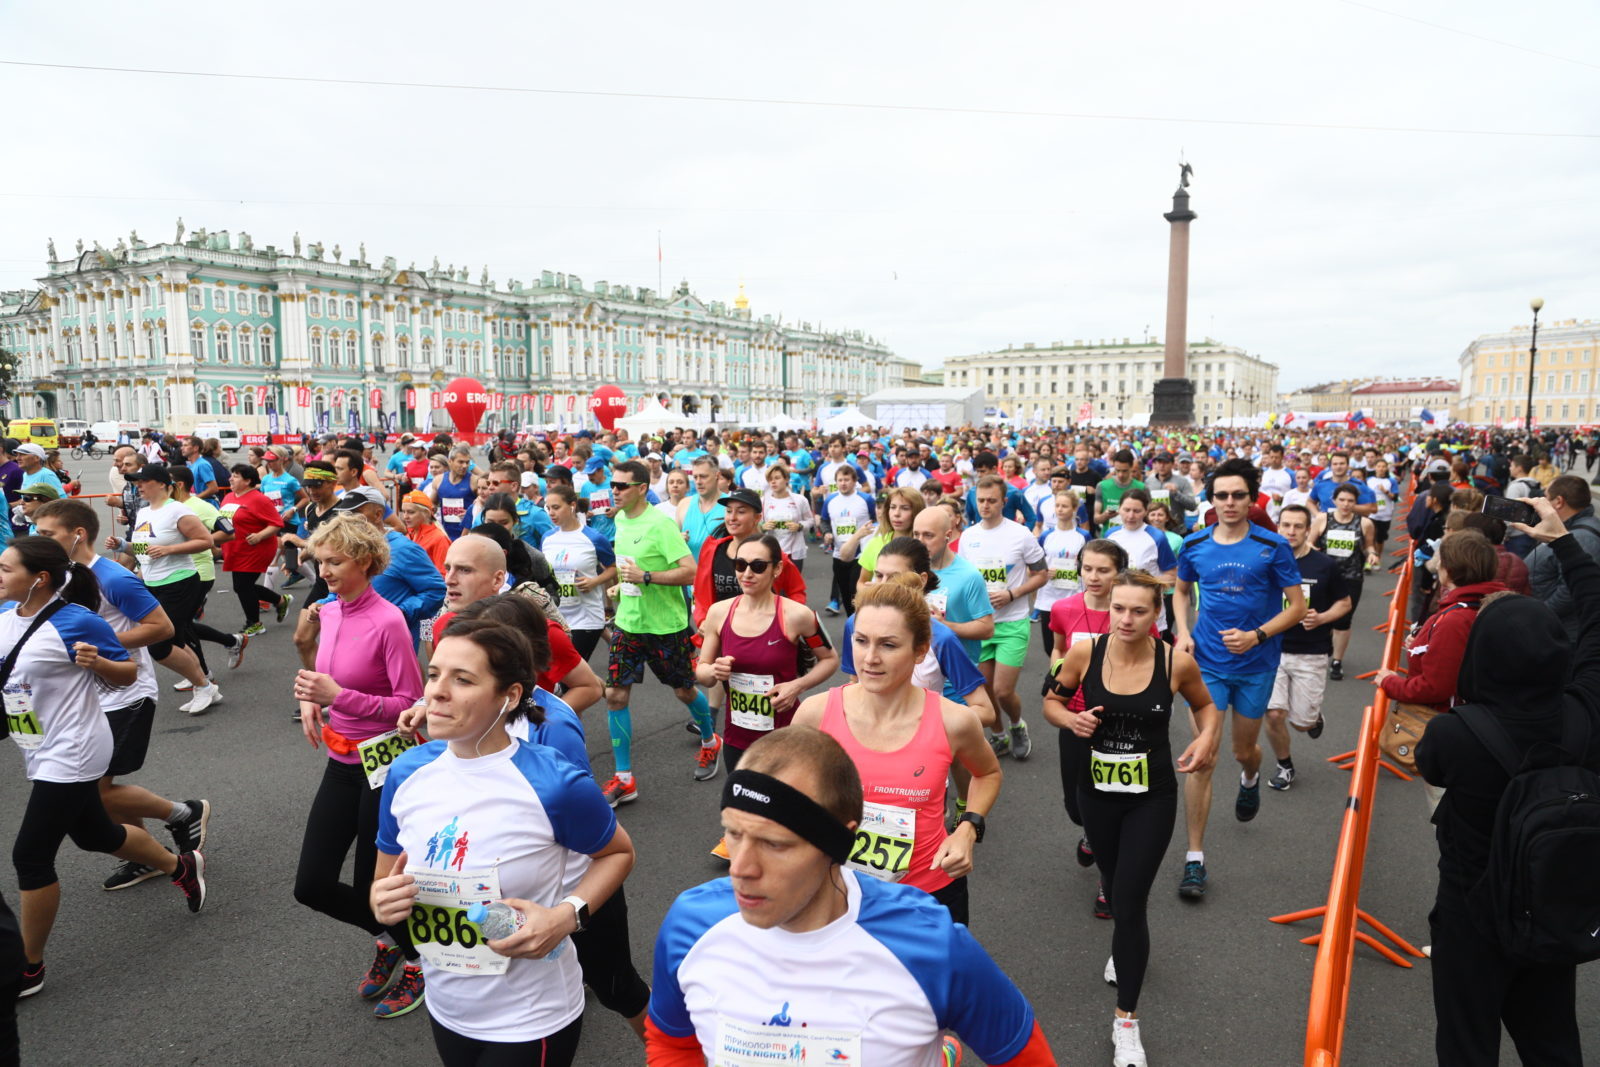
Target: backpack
<point x="1538" y="894"/>
<point x="1534" y="488"/>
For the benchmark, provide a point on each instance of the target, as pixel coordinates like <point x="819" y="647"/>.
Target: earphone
<point x="505" y="707"/>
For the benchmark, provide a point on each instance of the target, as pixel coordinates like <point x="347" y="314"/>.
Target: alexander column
<point x="1173" y="403"/>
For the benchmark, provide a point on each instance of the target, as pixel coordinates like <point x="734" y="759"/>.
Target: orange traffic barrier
<point x="1337" y="941"/>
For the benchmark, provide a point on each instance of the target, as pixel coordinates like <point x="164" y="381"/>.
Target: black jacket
<point x="1517" y="664"/>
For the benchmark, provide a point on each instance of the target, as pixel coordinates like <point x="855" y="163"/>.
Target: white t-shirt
<point x="1003" y="555"/>
<point x="518" y="815"/>
<point x="125" y="602"/>
<point x="1296" y="496"/>
<point x="792" y="508"/>
<point x="1037" y="496"/>
<point x="846" y="515"/>
<point x="159" y="526"/>
<point x="1275" y="483"/>
<point x="52" y="705"/>
<point x="1061" y="548"/>
<point x="911" y="479"/>
<point x="586" y="552"/>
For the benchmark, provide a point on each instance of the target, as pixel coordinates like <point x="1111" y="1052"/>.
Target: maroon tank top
<point x="759" y="663"/>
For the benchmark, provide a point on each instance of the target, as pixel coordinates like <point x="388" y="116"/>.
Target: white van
<point x="107" y="433"/>
<point x="225" y="432"/>
<point x="70" y="431"/>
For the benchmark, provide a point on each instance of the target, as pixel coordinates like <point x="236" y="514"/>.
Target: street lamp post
<point x="1233" y="394"/>
<point x="1533" y="355"/>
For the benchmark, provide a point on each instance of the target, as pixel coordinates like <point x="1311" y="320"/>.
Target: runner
<point x="901" y="507"/>
<point x="1302" y="678"/>
<point x="252" y="546"/>
<point x="893" y="959"/>
<point x="846" y="516"/>
<point x="1148" y="548"/>
<point x="701" y="513"/>
<point x="904" y="740"/>
<point x="1012" y="566"/>
<point x="366" y="674"/>
<point x="651" y="627"/>
<point x="1109" y="491"/>
<point x="57" y="654"/>
<point x="1249" y="596"/>
<point x="961" y="600"/>
<point x="1062" y="544"/>
<point x="409" y="582"/>
<point x="1349" y="539"/>
<point x="416" y="513"/>
<point x="453" y="491"/>
<point x="585" y="564"/>
<point x="475" y="816"/>
<point x="319" y="481"/>
<point x="786" y="515"/>
<point x="1386" y="490"/>
<point x="1129" y="798"/>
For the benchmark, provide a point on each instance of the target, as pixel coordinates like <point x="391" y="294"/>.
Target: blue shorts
<point x="1247" y="694"/>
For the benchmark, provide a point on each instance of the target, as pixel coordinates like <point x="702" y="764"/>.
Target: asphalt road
<point x="257" y="979"/>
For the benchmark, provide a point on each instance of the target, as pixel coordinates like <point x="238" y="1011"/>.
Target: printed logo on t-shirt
<point x="447" y="847"/>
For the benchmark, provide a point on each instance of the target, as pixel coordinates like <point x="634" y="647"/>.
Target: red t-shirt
<point x="249" y="514"/>
<point x="563" y="656"/>
<point x="949" y="480"/>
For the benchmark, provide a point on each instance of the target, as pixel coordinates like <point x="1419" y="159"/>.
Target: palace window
<point x="197" y="342"/>
<point x="196" y="300"/>
<point x="264" y="347"/>
<point x="314" y="306"/>
<point x="350" y="309"/>
<point x="263" y="304"/>
<point x="352" y="351"/>
<point x="333" y="308"/>
<point x="224" y="345"/>
<point x="403" y="348"/>
<point x="316" y="347"/>
<point x="202" y="401"/>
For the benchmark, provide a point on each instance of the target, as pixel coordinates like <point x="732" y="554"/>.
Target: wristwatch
<point x="977" y="824"/>
<point x="646" y="578"/>
<point x="580" y="907"/>
<point x="1261" y="636"/>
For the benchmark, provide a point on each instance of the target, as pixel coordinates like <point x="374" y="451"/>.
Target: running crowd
<point x="452" y="599"/>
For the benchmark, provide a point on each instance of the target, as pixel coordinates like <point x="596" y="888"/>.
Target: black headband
<point x="763" y="795"/>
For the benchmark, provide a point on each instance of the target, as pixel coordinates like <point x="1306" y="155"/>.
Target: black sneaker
<point x="693" y="727"/>
<point x="1085" y="853"/>
<point x="1316" y="731"/>
<point x="1335" y="671"/>
<point x="1248" y="802"/>
<point x="1192" y="886"/>
<point x="191" y="878"/>
<point x="32" y="980"/>
<point x="1102" y="906"/>
<point x="128" y="874"/>
<point x="1282" y="779"/>
<point x="190" y="834"/>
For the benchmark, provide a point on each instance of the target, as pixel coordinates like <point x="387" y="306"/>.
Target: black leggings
<point x="557" y="1050"/>
<point x="252" y="594"/>
<point x="1074" y="762"/>
<point x="954" y="897"/>
<point x="1130" y="838"/>
<point x="201" y="632"/>
<point x="1380" y="530"/>
<point x="345" y="811"/>
<point x="12" y="961"/>
<point x="56" y="811"/>
<point x="845" y="576"/>
<point x="181" y="600"/>
<point x="585" y="641"/>
<point x="607" y="959"/>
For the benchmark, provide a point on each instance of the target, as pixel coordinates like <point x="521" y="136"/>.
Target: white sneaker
<point x="183" y="685"/>
<point x="1111" y="970"/>
<point x="203" y="699"/>
<point x="236" y="653"/>
<point x="1128" y="1049"/>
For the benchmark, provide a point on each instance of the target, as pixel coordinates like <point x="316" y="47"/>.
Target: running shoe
<point x="1248" y="802"/>
<point x="236" y="653"/>
<point x="693" y="727"/>
<point x="617" y="791"/>
<point x="385" y="967"/>
<point x="1282" y="779"/>
<point x="284" y="603"/>
<point x="1128" y="1050"/>
<point x="1193" y="884"/>
<point x="951" y="1047"/>
<point x="721" y="849"/>
<point x="254" y="629"/>
<point x="1102" y="906"/>
<point x="190" y="834"/>
<point x="32" y="980"/>
<point x="1316" y="731"/>
<point x="832" y="608"/>
<point x="405" y="995"/>
<point x="191" y="878"/>
<point x="293" y="580"/>
<point x="203" y="699"/>
<point x="1021" y="743"/>
<point x="1335" y="670"/>
<point x="708" y="760"/>
<point x="1111" y="970"/>
<point x="127" y="875"/>
<point x="1001" y="743"/>
<point x="1085" y="853"/>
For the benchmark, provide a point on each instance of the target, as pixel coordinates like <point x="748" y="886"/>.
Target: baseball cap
<point x="595" y="463"/>
<point x="31" y="449"/>
<point x="40" y="491"/>
<point x="10" y="444"/>
<point x="747" y="497"/>
<point x="357" y="497"/>
<point x="1437" y="466"/>
<point x="151" y="472"/>
<point x="1162" y="457"/>
<point x="529" y="478"/>
<point x="418" y="498"/>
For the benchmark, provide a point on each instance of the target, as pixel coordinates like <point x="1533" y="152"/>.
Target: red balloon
<point x="465" y="399"/>
<point x="609" y="403"/>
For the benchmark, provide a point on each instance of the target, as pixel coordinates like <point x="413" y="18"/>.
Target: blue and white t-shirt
<point x="845" y="515"/>
<point x="52" y="705"/>
<point x="1061" y="550"/>
<point x="522" y="813"/>
<point x="1241" y="588"/>
<point x="125" y="601"/>
<point x="583" y="552"/>
<point x="877" y="986"/>
<point x="946" y="668"/>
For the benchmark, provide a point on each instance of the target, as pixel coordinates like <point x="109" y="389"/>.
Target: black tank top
<point x="724" y="581"/>
<point x="1343" y="542"/>
<point x="1133" y="723"/>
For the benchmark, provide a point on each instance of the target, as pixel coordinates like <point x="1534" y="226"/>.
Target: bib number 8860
<point x="442" y="926"/>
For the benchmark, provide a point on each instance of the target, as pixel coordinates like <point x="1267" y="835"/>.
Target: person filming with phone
<point x="1571" y="497"/>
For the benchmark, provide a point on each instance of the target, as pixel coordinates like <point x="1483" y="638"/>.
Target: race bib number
<point x="439" y="926"/>
<point x="628" y="588"/>
<point x="21" y="719"/>
<point x="994" y="572"/>
<point x="568" y="582"/>
<point x="1160" y="496"/>
<point x="1340" y="543"/>
<point x="452" y="510"/>
<point x="1081" y="635"/>
<point x="747" y="1045"/>
<point x="1126" y="772"/>
<point x="748" y="703"/>
<point x="884" y="841"/>
<point x="844" y="529"/>
<point x="377" y="753"/>
<point x="140" y="548"/>
<point x="600" y="504"/>
<point x="228" y="511"/>
<point x="1063" y="577"/>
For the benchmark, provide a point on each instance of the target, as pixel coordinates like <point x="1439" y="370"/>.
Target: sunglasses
<point x="755" y="566"/>
<point x="1238" y="495"/>
<point x="617" y="487"/>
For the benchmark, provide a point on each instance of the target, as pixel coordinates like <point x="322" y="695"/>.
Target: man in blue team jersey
<point x="1250" y="595"/>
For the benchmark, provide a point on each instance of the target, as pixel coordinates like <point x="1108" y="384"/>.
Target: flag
<point x="1427" y="416"/>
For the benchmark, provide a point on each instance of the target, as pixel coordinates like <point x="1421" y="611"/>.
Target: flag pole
<point x="658" y="263"/>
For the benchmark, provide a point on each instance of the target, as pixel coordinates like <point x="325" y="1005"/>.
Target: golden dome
<point x="741" y="301"/>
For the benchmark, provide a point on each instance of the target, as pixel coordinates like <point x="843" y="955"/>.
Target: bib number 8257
<point x="439" y="925"/>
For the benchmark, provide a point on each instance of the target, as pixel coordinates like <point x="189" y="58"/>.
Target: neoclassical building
<point x="142" y="332"/>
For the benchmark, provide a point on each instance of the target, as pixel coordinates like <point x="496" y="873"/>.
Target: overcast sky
<point x="934" y="227"/>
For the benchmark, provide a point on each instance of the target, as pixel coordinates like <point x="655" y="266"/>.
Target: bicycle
<point x="93" y="451"/>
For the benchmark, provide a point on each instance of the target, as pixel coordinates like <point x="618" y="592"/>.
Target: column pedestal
<point x="1173" y="403"/>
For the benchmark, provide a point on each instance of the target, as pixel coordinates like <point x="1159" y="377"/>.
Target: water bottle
<point x="498" y="919"/>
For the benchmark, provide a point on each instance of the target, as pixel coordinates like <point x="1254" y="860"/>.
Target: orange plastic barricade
<point x="1336" y="944"/>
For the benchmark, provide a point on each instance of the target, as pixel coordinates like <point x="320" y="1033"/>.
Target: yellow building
<point x="1566" y="385"/>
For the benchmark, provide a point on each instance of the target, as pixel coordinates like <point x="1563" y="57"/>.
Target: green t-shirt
<point x="870" y="550"/>
<point x="655" y="543"/>
<point x="1110" y="493"/>
<point x="204" y="562"/>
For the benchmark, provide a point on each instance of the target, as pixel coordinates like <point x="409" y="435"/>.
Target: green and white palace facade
<point x="211" y="325"/>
